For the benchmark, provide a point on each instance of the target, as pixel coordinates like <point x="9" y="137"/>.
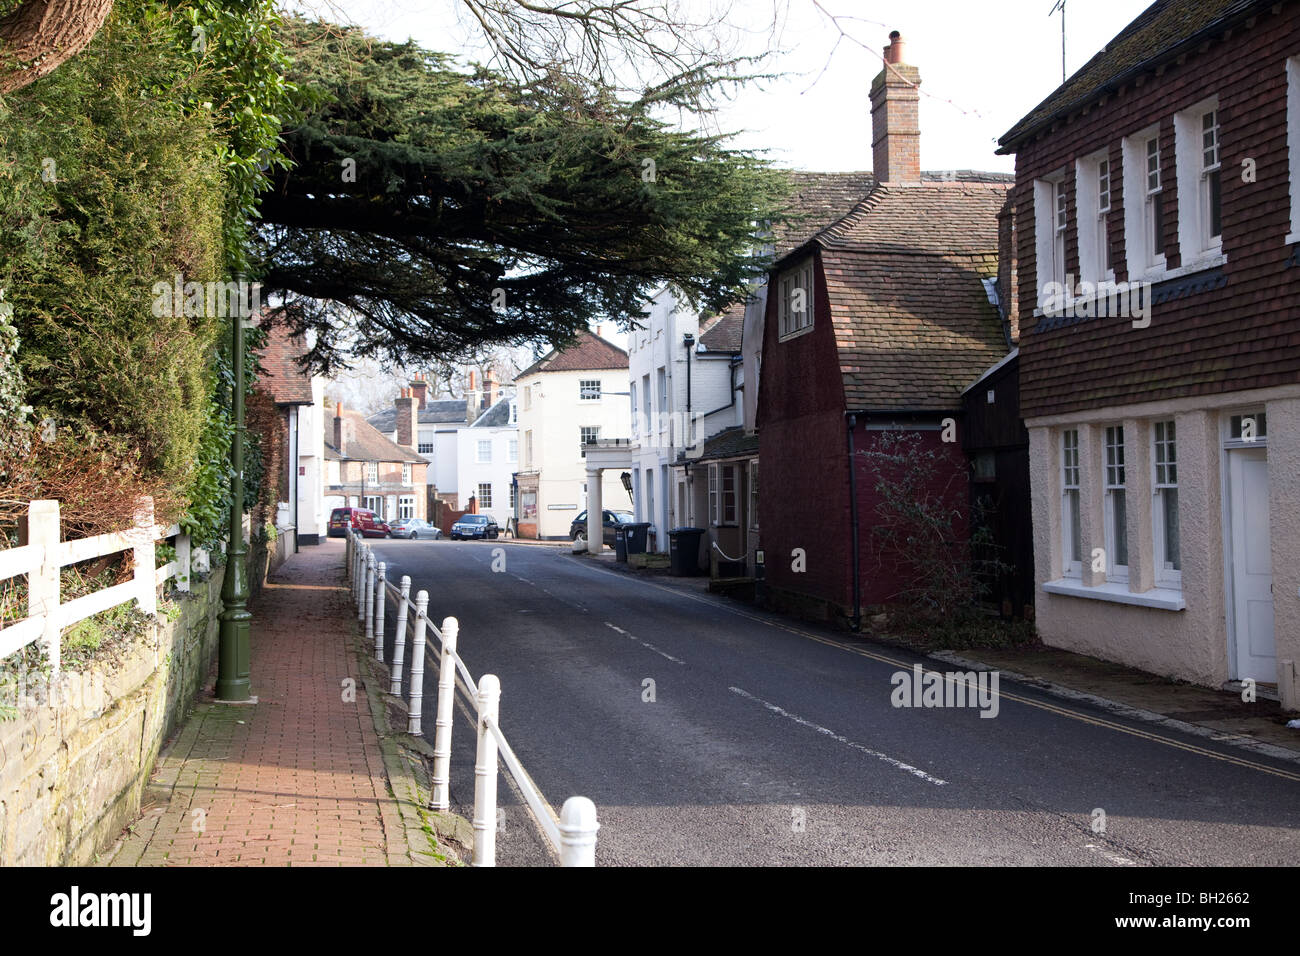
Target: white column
<point x="595" y="512"/>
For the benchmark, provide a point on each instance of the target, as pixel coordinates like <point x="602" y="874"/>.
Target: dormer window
<point x="795" y="302"/>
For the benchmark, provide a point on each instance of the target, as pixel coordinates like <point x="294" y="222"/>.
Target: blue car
<point x="475" y="526"/>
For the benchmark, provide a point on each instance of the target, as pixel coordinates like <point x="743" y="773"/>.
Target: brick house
<point x="1165" y="436"/>
<point x="364" y="469"/>
<point x="877" y="322"/>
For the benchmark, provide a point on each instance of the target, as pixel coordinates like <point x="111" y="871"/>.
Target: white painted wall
<point x="554" y="415"/>
<point x="498" y="471"/>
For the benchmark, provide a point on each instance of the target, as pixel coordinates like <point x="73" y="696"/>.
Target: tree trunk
<point x="40" y="35"/>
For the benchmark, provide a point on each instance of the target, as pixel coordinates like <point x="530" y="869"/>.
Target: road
<point x="709" y="733"/>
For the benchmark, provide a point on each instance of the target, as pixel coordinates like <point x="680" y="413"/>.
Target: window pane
<point x="1216" y="227"/>
<point x="1119" y="512"/>
<point x="1073" y="497"/>
<point x="1157" y="224"/>
<point x="1169" y="498"/>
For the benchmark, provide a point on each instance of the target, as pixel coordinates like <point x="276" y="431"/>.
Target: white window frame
<point x="582" y="437"/>
<point x="406" y="472"/>
<point x="1196" y="245"/>
<point x="1293" y="143"/>
<point x="480" y="456"/>
<point x="589" y="390"/>
<point x="1115" y="489"/>
<point x="714" y="497"/>
<point x="1049" y="249"/>
<point x="514" y="496"/>
<point x="406" y="506"/>
<point x="1092" y="196"/>
<point x="729" y="500"/>
<point x="528" y="448"/>
<point x="425" y="448"/>
<point x="636" y="412"/>
<point x="372" y="472"/>
<point x="528" y="397"/>
<point x="484" y="500"/>
<point x="1141" y="186"/>
<point x="1071" y="539"/>
<point x="1164" y="479"/>
<point x="512" y="450"/>
<point x="753" y="494"/>
<point x="514" y="413"/>
<point x="791" y="324"/>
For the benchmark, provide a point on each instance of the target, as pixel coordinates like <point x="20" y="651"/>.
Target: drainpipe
<point x="853" y="527"/>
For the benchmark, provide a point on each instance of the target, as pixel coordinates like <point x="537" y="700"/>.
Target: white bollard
<point x="440" y="792"/>
<point x="381" y="599"/>
<point x="415" y="701"/>
<point x="578" y="828"/>
<point x="485" y="774"/>
<point x="357" y="591"/>
<point x="369" y="595"/>
<point x="399" y="639"/>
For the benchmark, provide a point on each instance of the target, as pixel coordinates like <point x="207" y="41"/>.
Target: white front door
<point x="1252" y="565"/>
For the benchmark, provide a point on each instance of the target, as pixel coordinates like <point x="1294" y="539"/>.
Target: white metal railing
<point x="574" y="836"/>
<point x="43" y="557"/>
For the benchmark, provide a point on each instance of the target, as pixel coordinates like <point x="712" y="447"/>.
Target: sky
<point x="982" y="66"/>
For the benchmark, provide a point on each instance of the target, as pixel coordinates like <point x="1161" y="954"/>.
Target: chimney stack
<point x="471" y="398"/>
<point x="895" y="118"/>
<point x="407" y="426"/>
<point x="338" y="427"/>
<point x="420" y="389"/>
<point x="492" y="388"/>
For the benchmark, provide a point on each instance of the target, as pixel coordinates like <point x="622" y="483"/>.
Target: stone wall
<point x="75" y="760"/>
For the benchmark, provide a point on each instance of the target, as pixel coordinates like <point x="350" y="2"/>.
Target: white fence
<point x="574" y="836"/>
<point x="44" y="556"/>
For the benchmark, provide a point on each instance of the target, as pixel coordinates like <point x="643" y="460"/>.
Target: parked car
<point x="578" y="529"/>
<point x="414" y="528"/>
<point x="358" y="519"/>
<point x="475" y="526"/>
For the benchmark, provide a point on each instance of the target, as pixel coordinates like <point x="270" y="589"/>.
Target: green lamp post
<point x="232" y="663"/>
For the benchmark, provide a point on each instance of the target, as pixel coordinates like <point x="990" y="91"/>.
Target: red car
<point x="358" y="519"/>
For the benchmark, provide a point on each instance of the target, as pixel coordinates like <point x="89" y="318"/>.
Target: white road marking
<point x="1113" y="857"/>
<point x="915" y="771"/>
<point x="645" y="644"/>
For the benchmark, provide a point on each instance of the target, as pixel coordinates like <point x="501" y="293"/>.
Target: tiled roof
<point x="729" y="443"/>
<point x="497" y="416"/>
<point x="723" y="332"/>
<point x="437" y="412"/>
<point x="588" y="352"/>
<point x="913" y="324"/>
<point x="282" y="377"/>
<point x="1157" y="34"/>
<point x="367" y="444"/>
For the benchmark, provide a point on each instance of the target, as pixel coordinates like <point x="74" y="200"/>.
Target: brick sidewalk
<point x="299" y="778"/>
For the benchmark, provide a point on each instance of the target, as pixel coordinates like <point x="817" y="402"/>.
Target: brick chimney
<point x="406" y="418"/>
<point x="420" y="389"/>
<point x="492" y="387"/>
<point x="472" y="398"/>
<point x="895" y="118"/>
<point x="342" y="429"/>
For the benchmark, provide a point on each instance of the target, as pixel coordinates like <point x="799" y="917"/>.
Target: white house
<point x="683" y="381"/>
<point x="487" y="458"/>
<point x="567" y="401"/>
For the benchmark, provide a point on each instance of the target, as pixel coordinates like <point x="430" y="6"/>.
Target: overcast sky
<point x="983" y="66"/>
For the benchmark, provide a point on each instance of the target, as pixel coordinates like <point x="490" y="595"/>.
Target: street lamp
<point x="232" y="656"/>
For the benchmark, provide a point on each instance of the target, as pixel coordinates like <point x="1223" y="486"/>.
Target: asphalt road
<point x="768" y="741"/>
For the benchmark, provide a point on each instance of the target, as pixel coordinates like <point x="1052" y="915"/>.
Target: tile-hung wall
<point x="1165" y="432"/>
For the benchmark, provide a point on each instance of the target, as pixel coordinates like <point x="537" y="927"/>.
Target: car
<point x="475" y="526"/>
<point x="414" y="528"/>
<point x="578" y="529"/>
<point x="356" y="519"/>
